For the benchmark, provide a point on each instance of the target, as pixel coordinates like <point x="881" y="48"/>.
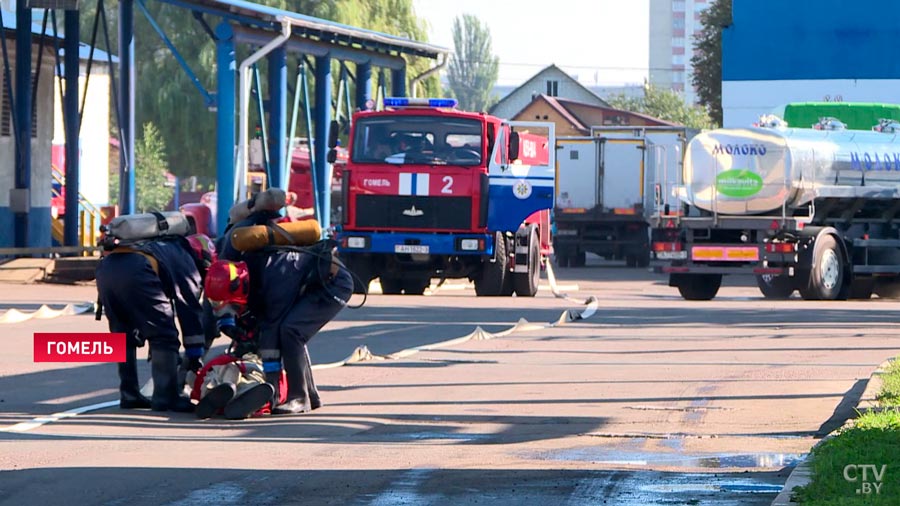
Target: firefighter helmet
<point x="204" y="251"/>
<point x="227" y="283"/>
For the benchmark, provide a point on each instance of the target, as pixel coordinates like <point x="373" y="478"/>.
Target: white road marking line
<point x="41" y="420"/>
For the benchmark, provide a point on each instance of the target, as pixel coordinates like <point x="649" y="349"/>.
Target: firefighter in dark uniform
<point x="294" y="292"/>
<point x="142" y="288"/>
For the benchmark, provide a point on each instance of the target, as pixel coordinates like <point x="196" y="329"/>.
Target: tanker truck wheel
<point x="827" y="273"/>
<point x="775" y="287"/>
<point x="494" y="278"/>
<point x="699" y="286"/>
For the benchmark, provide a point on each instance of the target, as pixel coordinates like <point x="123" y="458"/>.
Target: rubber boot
<point x="130" y="396"/>
<point x="274" y="379"/>
<point x="315" y="402"/>
<point x="249" y="401"/>
<point x="295" y="366"/>
<point x="214" y="400"/>
<point x="166" y="395"/>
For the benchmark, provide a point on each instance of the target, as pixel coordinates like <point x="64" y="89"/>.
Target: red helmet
<point x="227" y="283"/>
<point x="204" y="250"/>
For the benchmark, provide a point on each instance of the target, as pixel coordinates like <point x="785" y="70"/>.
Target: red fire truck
<point x="430" y="191"/>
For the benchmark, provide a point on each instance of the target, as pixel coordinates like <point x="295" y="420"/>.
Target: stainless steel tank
<point x="760" y="170"/>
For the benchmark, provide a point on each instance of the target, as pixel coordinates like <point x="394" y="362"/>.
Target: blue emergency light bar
<point x="419" y="102"/>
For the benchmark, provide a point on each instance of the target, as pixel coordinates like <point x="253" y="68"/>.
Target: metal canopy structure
<point x="337" y="34"/>
<point x="273" y="33"/>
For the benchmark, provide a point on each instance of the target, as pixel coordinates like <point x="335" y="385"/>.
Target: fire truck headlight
<point x="468" y="244"/>
<point x="356" y="242"/>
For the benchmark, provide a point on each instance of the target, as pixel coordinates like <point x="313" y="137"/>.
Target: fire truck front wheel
<point x="494" y="277"/>
<point x="391" y="285"/>
<point x="361" y="270"/>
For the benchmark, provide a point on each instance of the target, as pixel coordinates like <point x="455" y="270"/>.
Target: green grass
<point x="890" y="387"/>
<point x="874" y="439"/>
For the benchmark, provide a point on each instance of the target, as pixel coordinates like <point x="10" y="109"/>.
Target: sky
<point x="602" y="42"/>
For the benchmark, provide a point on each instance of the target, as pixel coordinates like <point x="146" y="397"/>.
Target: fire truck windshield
<point x="418" y="139"/>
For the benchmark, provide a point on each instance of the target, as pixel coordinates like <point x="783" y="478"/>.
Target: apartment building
<point x="673" y="24"/>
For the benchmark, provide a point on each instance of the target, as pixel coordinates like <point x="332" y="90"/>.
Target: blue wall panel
<point x="812" y="39"/>
<point x="7" y="227"/>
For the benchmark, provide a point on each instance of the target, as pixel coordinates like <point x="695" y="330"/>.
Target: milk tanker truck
<point x="808" y="209"/>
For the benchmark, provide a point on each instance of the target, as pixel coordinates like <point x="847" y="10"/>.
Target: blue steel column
<point x="126" y="96"/>
<point x="23" y="118"/>
<point x="277" y="119"/>
<point x="70" y="103"/>
<point x="398" y="82"/>
<point x="363" y="85"/>
<point x="322" y="169"/>
<point x="225" y="136"/>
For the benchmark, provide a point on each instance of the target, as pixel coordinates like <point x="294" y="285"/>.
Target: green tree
<point x="707" y="59"/>
<point x="151" y="192"/>
<point x="664" y="104"/>
<point x="473" y="68"/>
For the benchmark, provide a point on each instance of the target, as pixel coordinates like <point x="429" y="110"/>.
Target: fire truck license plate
<point x="411" y="248"/>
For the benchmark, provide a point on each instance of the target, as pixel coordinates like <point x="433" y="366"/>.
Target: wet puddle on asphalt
<point x="724" y="461"/>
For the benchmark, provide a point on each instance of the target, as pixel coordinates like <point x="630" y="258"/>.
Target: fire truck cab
<point x="430" y="191"/>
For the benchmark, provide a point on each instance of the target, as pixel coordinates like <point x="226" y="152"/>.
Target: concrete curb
<point x="802" y="473"/>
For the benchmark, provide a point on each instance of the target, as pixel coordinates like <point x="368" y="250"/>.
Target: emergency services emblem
<point x="522" y="189"/>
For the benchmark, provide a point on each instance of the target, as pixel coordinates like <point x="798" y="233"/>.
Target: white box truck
<point x="603" y="190"/>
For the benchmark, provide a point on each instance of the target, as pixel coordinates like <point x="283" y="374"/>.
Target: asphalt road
<point x="652" y="400"/>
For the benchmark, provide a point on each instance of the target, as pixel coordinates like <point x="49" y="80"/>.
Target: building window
<point x="678" y="76"/>
<point x="678" y="23"/>
<point x="677" y="5"/>
<point x="677" y="41"/>
<point x="553" y="88"/>
<point x="677" y="59"/>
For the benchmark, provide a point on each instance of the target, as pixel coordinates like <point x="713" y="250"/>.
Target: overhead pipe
<point x="243" y="157"/>
<point x="415" y="80"/>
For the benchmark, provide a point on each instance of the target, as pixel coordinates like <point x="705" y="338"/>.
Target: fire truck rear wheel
<point x="494" y="274"/>
<point x="526" y="283"/>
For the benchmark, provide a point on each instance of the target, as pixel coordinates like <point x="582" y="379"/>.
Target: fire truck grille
<point x="391" y="211"/>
